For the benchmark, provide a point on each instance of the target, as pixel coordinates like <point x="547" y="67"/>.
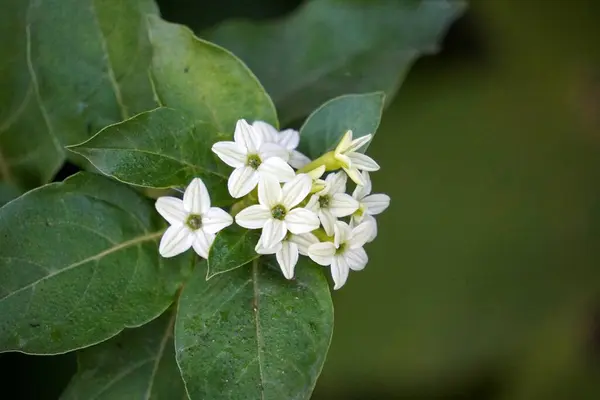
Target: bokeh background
<point x="484" y="282"/>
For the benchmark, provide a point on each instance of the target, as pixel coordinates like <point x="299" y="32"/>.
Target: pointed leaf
<point x="233" y="248"/>
<point x="137" y="364"/>
<point x="252" y="334"/>
<point x="78" y="263"/>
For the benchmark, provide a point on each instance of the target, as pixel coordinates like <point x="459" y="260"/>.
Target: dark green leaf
<point x="7" y="193"/>
<point x="78" y="263"/>
<point x="233" y="248"/>
<point x="324" y="128"/>
<point x="331" y="47"/>
<point x="159" y="149"/>
<point x="251" y="334"/>
<point x="136" y="364"/>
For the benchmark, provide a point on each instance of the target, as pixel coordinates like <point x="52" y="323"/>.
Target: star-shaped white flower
<point x="288" y="139"/>
<point x="194" y="222"/>
<point x="369" y="204"/>
<point x="332" y="202"/>
<point x="288" y="250"/>
<point x="276" y="214"/>
<point x="345" y="253"/>
<point x="252" y="158"/>
<point x="353" y="162"/>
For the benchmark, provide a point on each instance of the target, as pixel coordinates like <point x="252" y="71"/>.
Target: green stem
<point x="327" y="159"/>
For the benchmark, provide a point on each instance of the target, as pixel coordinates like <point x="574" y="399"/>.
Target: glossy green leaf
<point x="205" y="80"/>
<point x="233" y="248"/>
<point x="159" y="149"/>
<point x="137" y="364"/>
<point x="78" y="263"/>
<point x="324" y="128"/>
<point x="7" y="193"/>
<point x="331" y="47"/>
<point x="252" y="334"/>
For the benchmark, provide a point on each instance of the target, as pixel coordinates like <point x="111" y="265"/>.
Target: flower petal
<point x="363" y="162"/>
<point x="361" y="234"/>
<point x="287" y="257"/>
<point x="296" y="190"/>
<point x="303" y="241"/>
<point x="354" y="174"/>
<point x="336" y="182"/>
<point x="260" y="249"/>
<point x="246" y="137"/>
<point x="253" y="217"/>
<point x="196" y="199"/>
<point x="359" y="142"/>
<point x="313" y="204"/>
<point x="267" y="131"/>
<point x="372" y="220"/>
<point x="215" y="219"/>
<point x="289" y="138"/>
<point x="202" y="242"/>
<point x="356" y="259"/>
<point x="322" y="253"/>
<point x="268" y="150"/>
<point x="339" y="271"/>
<point x="176" y="240"/>
<point x="299" y="160"/>
<point x="273" y="232"/>
<point x="376" y="203"/>
<point x="342" y="233"/>
<point x="171" y="209"/>
<point x="301" y="220"/>
<point x="277" y="168"/>
<point x="269" y="191"/>
<point x="342" y="205"/>
<point x="328" y="221"/>
<point x="230" y="153"/>
<point x="363" y="190"/>
<point x="241" y="181"/>
<point x="344" y="143"/>
<point x="317" y="172"/>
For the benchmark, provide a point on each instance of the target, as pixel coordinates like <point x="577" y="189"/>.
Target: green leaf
<point x="324" y="128"/>
<point x="7" y="193"/>
<point x="78" y="263"/>
<point x="159" y="149"/>
<point x="331" y="47"/>
<point x="136" y="364"/>
<point x="233" y="248"/>
<point x="252" y="334"/>
<point x="205" y="80"/>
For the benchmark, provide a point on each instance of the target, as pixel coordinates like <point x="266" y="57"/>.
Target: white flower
<point x="288" y="139"/>
<point x="252" y="158"/>
<point x="369" y="204"/>
<point x="276" y="214"/>
<point x="345" y="253"/>
<point x="288" y="250"/>
<point x="353" y="162"/>
<point x="194" y="222"/>
<point x="332" y="202"/>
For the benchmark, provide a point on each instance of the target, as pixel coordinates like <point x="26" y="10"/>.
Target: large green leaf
<point x="78" y="263"/>
<point x="136" y="364"/>
<point x="251" y="334"/>
<point x="324" y="128"/>
<point x="331" y="47"/>
<point x="233" y="248"/>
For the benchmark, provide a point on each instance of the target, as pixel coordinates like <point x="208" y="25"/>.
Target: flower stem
<point x="327" y="159"/>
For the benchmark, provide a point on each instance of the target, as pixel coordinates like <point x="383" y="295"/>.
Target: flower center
<point x="253" y="161"/>
<point x="194" y="222"/>
<point x="324" y="201"/>
<point x="360" y="211"/>
<point x="278" y="212"/>
<point x="341" y="249"/>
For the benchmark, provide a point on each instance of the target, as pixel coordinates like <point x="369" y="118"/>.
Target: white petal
<point x="269" y="191"/>
<point x="376" y="203"/>
<point x="339" y="271"/>
<point x="361" y="234"/>
<point x="268" y="150"/>
<point x="268" y="132"/>
<point x="241" y="181"/>
<point x="260" y="249"/>
<point x="215" y="219"/>
<point x="230" y="153"/>
<point x="328" y="221"/>
<point x="289" y="139"/>
<point x="322" y="253"/>
<point x="342" y="205"/>
<point x="273" y="232"/>
<point x="245" y="136"/>
<point x="253" y="217"/>
<point x="313" y="204"/>
<point x="359" y="142"/>
<point x="356" y="259"/>
<point x="363" y="162"/>
<point x="343" y="160"/>
<point x="287" y="257"/>
<point x="301" y="220"/>
<point x="176" y="240"/>
<point x="195" y="198"/>
<point x="304" y="241"/>
<point x="354" y="174"/>
<point x="277" y="168"/>
<point x="337" y="182"/>
<point x="344" y="143"/>
<point x="299" y="160"/>
<point x="171" y="209"/>
<point x="372" y="220"/>
<point x="296" y="190"/>
<point x="363" y="190"/>
<point x="202" y="242"/>
<point x="342" y="233"/>
<point x="317" y="172"/>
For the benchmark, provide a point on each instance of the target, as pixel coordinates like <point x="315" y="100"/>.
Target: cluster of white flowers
<point x="299" y="213"/>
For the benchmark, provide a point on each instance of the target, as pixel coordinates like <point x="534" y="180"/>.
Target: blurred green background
<point x="484" y="282"/>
